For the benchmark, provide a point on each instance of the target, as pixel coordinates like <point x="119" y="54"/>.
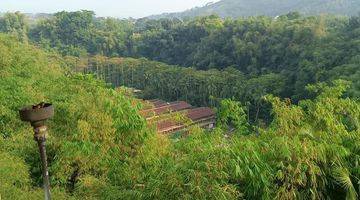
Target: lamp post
<point x="37" y="115"/>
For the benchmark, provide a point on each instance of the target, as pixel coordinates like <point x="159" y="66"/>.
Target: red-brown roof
<point x="197" y="115"/>
<point x="166" y="125"/>
<point x="158" y="103"/>
<point x="200" y="113"/>
<point x="160" y="114"/>
<point x="174" y="106"/>
<point x="171" y="107"/>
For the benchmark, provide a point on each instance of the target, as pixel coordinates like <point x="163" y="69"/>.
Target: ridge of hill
<point x="246" y="8"/>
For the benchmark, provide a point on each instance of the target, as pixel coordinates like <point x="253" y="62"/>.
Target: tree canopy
<point x="302" y="50"/>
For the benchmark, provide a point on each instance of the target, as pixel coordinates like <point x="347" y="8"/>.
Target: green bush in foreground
<point x="93" y="125"/>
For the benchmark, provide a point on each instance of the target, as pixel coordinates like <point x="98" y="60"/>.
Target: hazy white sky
<point x="115" y="8"/>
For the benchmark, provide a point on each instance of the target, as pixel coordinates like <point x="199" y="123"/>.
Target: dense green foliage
<point x="93" y="124"/>
<point x="100" y="148"/>
<point x="299" y="50"/>
<point x="80" y="33"/>
<point x="263" y="147"/>
<point x="14" y="24"/>
<point x="201" y="88"/>
<point x="244" y="8"/>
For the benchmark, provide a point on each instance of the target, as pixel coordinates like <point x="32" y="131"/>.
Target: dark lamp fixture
<point x="37" y="115"/>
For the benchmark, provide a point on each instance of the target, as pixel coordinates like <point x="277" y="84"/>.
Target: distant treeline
<point x="198" y="87"/>
<point x="201" y="88"/>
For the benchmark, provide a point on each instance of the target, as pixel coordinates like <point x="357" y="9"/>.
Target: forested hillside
<point x="263" y="55"/>
<point x="246" y="8"/>
<point x="198" y="87"/>
<point x="286" y="92"/>
<point x="100" y="148"/>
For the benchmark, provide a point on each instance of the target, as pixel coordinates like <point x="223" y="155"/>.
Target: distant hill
<point x="244" y="8"/>
<point x="32" y="17"/>
<point x="38" y="16"/>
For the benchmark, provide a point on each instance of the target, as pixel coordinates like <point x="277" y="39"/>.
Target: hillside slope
<point x="76" y="140"/>
<point x="244" y="8"/>
<point x="99" y="148"/>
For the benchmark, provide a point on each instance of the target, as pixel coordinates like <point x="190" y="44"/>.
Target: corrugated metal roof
<point x="167" y="125"/>
<point x="204" y="116"/>
<point x="158" y="103"/>
<point x="170" y="107"/>
<point x="200" y="113"/>
<point x="174" y="106"/>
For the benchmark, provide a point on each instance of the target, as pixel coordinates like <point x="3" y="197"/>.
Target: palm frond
<point x="342" y="177"/>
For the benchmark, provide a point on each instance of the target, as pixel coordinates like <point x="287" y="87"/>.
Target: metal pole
<point x="40" y="137"/>
<point x="37" y="115"/>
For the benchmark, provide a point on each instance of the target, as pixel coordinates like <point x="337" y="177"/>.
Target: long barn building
<point x="176" y="116"/>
